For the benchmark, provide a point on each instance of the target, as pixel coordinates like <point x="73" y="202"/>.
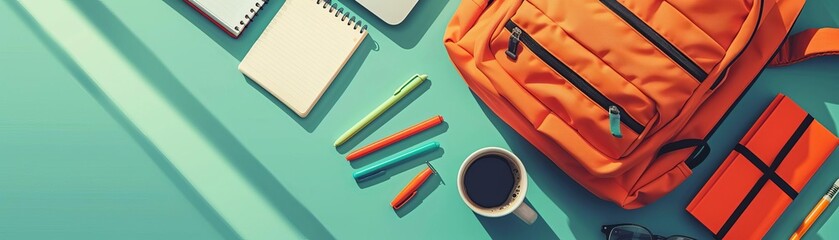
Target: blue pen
<point x="380" y="166"/>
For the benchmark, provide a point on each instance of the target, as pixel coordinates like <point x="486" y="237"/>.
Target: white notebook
<point x="302" y="50"/>
<point x="232" y="16"/>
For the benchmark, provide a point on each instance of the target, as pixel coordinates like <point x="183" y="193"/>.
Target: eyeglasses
<point x="635" y="232"/>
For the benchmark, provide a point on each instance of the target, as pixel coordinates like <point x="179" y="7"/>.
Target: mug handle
<point x="526" y="213"/>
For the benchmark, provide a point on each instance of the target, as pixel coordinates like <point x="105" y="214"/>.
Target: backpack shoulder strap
<point x="807" y="44"/>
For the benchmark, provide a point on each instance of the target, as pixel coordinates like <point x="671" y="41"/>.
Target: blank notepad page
<point x="301" y="51"/>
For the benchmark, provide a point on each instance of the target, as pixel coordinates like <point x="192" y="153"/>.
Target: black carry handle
<point x="697" y="157"/>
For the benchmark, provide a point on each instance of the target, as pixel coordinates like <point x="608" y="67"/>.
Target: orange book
<point x="764" y="173"/>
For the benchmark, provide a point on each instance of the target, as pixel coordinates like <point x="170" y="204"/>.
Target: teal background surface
<point x="130" y="120"/>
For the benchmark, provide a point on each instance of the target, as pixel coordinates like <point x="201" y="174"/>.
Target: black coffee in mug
<point x="490" y="180"/>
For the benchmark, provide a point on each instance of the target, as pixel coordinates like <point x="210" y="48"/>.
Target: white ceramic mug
<point x="515" y="202"/>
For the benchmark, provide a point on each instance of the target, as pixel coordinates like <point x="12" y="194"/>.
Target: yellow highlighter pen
<point x="816" y="212"/>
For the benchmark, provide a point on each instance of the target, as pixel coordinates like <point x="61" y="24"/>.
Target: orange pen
<point x="816" y="212"/>
<point x="411" y="189"/>
<point x="399" y="136"/>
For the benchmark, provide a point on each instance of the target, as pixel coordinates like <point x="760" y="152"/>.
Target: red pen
<point x="396" y="137"/>
<point x="411" y="189"/>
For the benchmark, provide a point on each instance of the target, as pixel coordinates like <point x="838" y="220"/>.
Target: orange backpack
<point x="623" y="94"/>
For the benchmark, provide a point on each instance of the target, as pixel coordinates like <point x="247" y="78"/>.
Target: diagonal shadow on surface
<point x="164" y="81"/>
<point x="239" y="47"/>
<point x="148" y="147"/>
<point x="171" y="88"/>
<point x="236" y="47"/>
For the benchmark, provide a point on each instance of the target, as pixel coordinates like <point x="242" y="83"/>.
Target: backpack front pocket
<point x="610" y="114"/>
<point x="659" y="41"/>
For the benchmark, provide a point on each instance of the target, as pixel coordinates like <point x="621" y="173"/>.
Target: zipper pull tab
<point x="513" y="44"/>
<point x="615" y="121"/>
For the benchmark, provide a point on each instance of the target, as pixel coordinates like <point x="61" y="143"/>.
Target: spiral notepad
<point x="302" y="50"/>
<point x="232" y="16"/>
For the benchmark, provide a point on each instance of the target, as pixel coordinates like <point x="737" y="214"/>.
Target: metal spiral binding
<point x="249" y="16"/>
<point x="345" y="16"/>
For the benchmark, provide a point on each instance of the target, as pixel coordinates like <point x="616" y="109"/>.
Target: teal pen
<point x="380" y="166"/>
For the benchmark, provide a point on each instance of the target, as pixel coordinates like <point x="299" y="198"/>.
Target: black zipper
<point x="518" y="35"/>
<point x="671" y="51"/>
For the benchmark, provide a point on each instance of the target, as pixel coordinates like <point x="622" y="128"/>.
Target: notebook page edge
<point x="337" y="71"/>
<point x="247" y="70"/>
